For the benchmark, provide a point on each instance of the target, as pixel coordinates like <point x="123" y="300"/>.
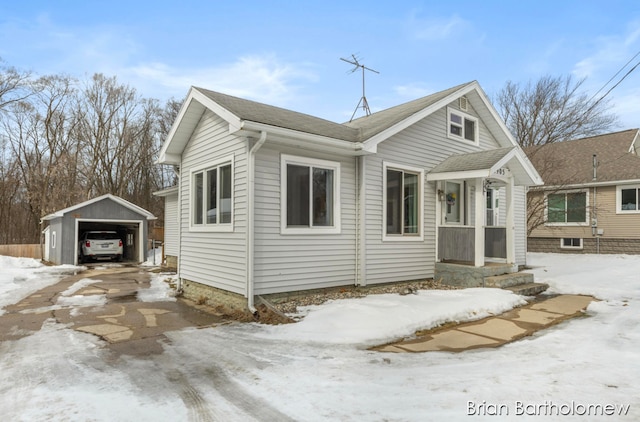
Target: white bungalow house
<point x="271" y="201"/>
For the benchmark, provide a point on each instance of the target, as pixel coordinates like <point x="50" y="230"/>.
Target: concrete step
<point x="529" y="289"/>
<point x="508" y="280"/>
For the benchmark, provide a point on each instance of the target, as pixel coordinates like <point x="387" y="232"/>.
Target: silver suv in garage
<point x="100" y="245"/>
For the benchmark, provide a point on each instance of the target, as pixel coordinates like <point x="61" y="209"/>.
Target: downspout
<point x="251" y="158"/>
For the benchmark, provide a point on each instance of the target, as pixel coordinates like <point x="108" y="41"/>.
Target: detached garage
<point x="107" y="213"/>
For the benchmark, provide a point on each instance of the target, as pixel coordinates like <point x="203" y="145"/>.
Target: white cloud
<point x="434" y="28"/>
<point x="259" y="77"/>
<point x="413" y="91"/>
<point x="611" y="53"/>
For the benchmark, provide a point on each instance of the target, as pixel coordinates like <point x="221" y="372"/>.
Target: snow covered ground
<point x="320" y="369"/>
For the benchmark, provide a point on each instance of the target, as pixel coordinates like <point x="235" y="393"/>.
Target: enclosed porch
<point x="475" y="216"/>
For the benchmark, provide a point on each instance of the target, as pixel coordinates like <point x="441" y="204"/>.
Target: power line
<point x="613" y="77"/>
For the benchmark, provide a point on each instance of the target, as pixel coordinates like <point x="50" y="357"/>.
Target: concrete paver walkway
<point x="497" y="330"/>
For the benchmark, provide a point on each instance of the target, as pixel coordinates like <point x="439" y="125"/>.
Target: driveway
<point x="106" y="303"/>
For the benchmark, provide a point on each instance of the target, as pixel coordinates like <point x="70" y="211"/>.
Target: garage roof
<point x="114" y="198"/>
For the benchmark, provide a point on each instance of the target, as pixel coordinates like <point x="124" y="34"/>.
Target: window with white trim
<point x="53" y="240"/>
<point x="567" y="208"/>
<point x="571" y="243"/>
<point x="462" y="126"/>
<point x="310" y="191"/>
<point x="403" y="212"/>
<point x="628" y="199"/>
<point x="212" y="204"/>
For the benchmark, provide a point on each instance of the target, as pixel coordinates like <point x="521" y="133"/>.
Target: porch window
<point x="628" y="199"/>
<point x="462" y="126"/>
<point x="567" y="208"/>
<point x="212" y="196"/>
<point x="310" y="200"/>
<point x="403" y="202"/>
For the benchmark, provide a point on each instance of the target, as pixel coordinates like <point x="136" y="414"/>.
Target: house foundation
<point x="589" y="246"/>
<point x="214" y="297"/>
<point x="465" y="275"/>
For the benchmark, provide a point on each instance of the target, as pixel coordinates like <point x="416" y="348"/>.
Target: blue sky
<point x="287" y="53"/>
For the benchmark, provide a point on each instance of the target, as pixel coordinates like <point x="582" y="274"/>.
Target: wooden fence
<point x="22" y="251"/>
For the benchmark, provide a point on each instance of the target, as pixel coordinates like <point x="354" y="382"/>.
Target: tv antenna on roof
<point x="363" y="101"/>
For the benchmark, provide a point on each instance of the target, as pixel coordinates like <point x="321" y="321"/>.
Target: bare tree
<point x="15" y="85"/>
<point x="44" y="151"/>
<point x="553" y="109"/>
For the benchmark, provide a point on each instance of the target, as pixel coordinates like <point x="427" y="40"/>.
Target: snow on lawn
<point x="320" y="369"/>
<point x="366" y="321"/>
<point x="20" y="277"/>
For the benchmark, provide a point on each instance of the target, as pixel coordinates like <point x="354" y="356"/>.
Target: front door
<point x="492" y="207"/>
<point x="454" y="203"/>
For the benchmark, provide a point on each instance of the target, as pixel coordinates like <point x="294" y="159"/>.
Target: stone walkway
<point x="128" y="325"/>
<point x="497" y="330"/>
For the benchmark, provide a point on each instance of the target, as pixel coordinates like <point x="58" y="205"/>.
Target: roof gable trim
<point x="117" y="199"/>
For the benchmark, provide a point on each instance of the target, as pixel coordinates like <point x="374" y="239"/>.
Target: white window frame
<point x="567" y="224"/>
<point x="310" y="162"/>
<point x="419" y="237"/>
<point x="563" y="246"/>
<point x="204" y="226"/>
<point x="619" y="190"/>
<point x="53" y="239"/>
<point x="476" y="126"/>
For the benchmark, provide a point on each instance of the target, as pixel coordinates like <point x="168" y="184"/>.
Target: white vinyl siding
<point x="423" y="145"/>
<point x="520" y="220"/>
<point x="216" y="259"/>
<point x="292" y="262"/>
<point x="171" y="225"/>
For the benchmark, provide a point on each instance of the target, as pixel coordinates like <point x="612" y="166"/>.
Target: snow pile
<point x="159" y="291"/>
<point x="377" y="319"/>
<point x="20" y="277"/>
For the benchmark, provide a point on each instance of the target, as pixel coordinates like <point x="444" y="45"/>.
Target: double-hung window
<point x="567" y="208"/>
<point x="403" y="210"/>
<point x="310" y="194"/>
<point x="462" y="126"/>
<point x="628" y="199"/>
<point x="212" y="194"/>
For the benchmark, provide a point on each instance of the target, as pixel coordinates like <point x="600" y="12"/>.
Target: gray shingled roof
<point x="358" y="130"/>
<point x="482" y="160"/>
<point x="571" y="162"/>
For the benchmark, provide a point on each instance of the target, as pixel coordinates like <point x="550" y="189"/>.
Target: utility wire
<point x="613" y="77"/>
<point x="617" y="83"/>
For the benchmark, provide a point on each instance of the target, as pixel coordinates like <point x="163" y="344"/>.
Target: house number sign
<point x="503" y="171"/>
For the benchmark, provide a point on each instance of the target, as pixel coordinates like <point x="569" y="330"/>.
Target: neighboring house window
<point x="212" y="202"/>
<point x="571" y="243"/>
<point x="462" y="126"/>
<point x="310" y="195"/>
<point x="403" y="212"/>
<point x="567" y="208"/>
<point x="628" y="199"/>
<point x="53" y="240"/>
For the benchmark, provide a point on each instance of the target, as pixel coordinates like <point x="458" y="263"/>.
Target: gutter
<point x="251" y="159"/>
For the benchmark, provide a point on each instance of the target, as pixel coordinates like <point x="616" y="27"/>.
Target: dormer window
<point x="462" y="126"/>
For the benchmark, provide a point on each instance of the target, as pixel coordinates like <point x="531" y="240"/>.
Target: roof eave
<point x="303" y="139"/>
<point x="188" y="118"/>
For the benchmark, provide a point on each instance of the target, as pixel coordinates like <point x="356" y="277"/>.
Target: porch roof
<point x="485" y="164"/>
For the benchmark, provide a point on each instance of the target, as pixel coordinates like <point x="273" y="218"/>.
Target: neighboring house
<point x="104" y="213"/>
<point x="591" y="198"/>
<point x="271" y="201"/>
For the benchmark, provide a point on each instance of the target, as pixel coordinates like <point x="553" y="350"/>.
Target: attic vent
<point x="462" y="103"/>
